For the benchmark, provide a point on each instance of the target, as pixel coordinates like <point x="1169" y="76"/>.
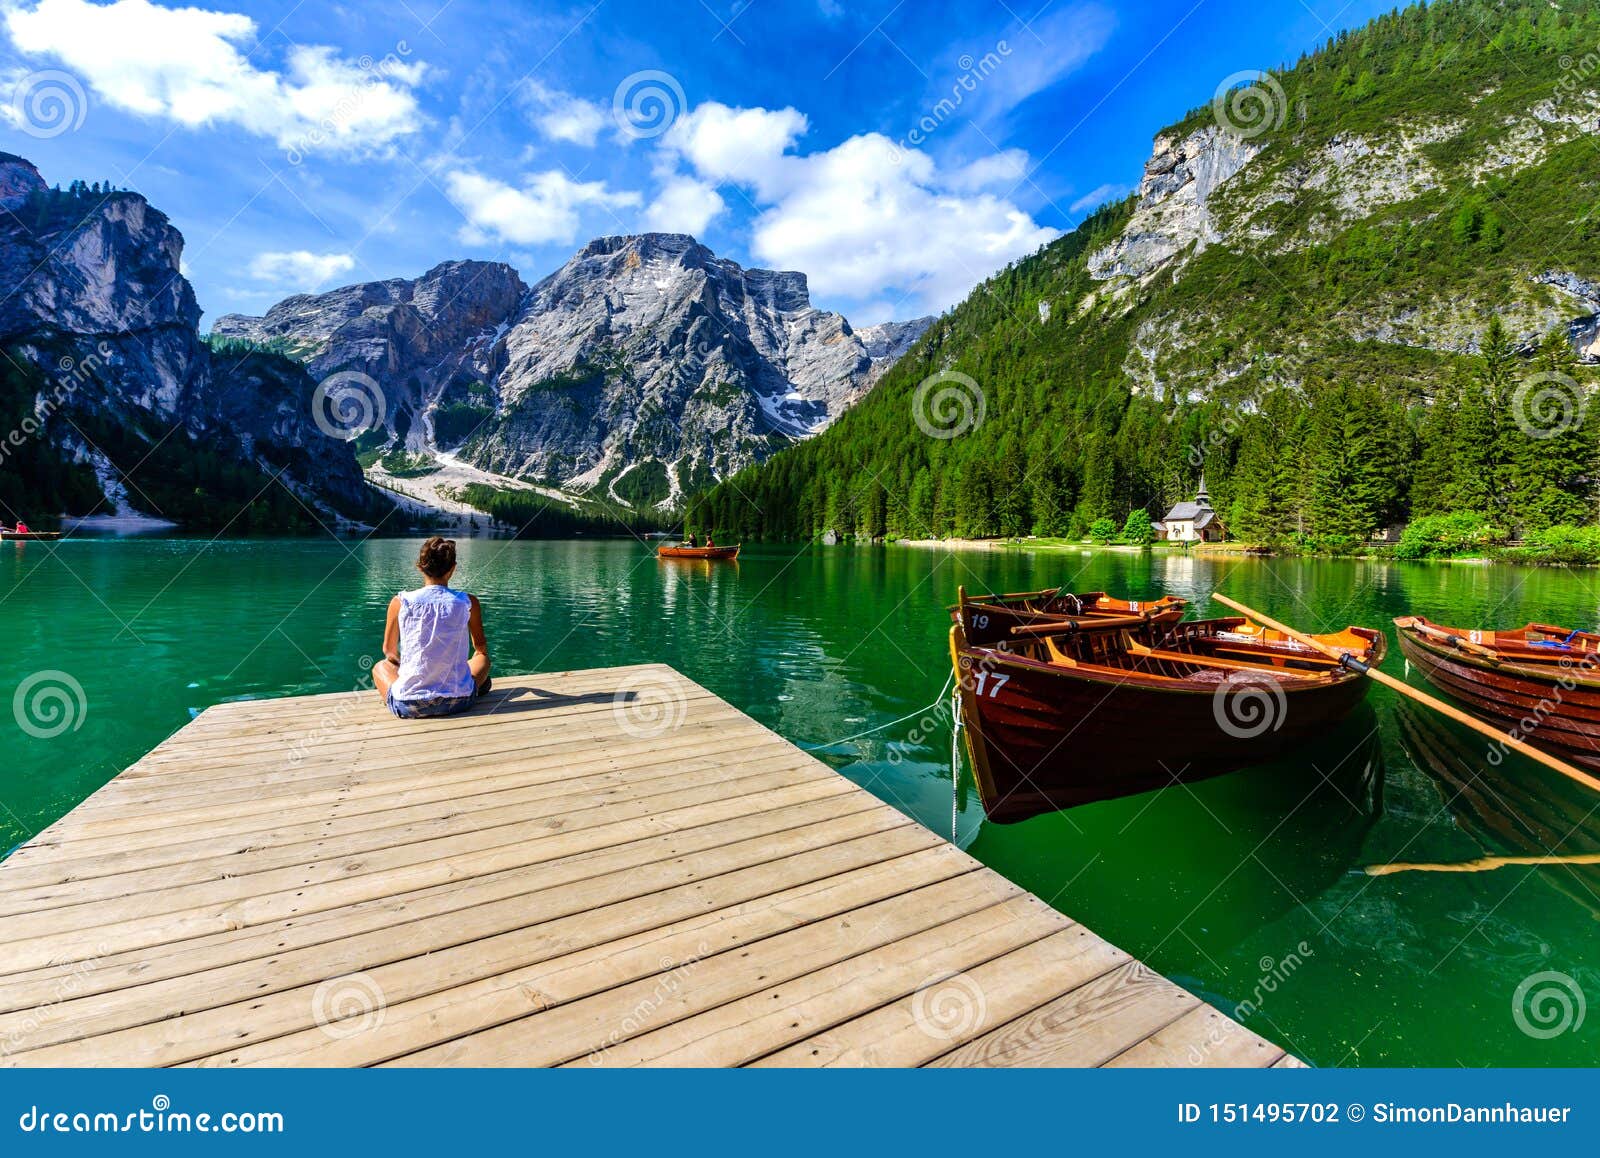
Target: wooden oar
<point x="1086" y="623"/>
<point x="1444" y="636"/>
<point x="1349" y="660"/>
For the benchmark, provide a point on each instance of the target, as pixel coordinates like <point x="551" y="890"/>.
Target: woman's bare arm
<point x="391" y="632"/>
<point x="480" y="641"/>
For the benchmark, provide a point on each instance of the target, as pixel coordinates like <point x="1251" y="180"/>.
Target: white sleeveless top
<point x="434" y="644"/>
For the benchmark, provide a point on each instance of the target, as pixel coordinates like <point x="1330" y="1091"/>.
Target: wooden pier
<point x="608" y="867"/>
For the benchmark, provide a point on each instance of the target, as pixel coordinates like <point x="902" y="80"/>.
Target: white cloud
<point x="562" y="116"/>
<point x="866" y="218"/>
<point x="300" y="268"/>
<point x="744" y="146"/>
<point x="1049" y="50"/>
<point x="1097" y="197"/>
<point x="684" y="205"/>
<point x="189" y="65"/>
<point x="546" y="209"/>
<point x="1006" y="168"/>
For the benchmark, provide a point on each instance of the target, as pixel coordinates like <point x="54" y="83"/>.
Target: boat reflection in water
<point x="1515" y="808"/>
<point x="1191" y="860"/>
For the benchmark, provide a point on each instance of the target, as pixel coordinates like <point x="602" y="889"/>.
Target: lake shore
<point x="1042" y="546"/>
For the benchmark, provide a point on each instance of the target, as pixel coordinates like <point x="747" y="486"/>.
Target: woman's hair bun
<point x="437" y="557"/>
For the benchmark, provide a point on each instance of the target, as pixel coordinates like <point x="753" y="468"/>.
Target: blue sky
<point x="895" y="152"/>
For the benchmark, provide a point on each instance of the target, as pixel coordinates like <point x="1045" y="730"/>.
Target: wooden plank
<point x="100" y="926"/>
<point x="530" y="933"/>
<point x="414" y="1024"/>
<point x="1200" y="1038"/>
<point x="317" y="845"/>
<point x="570" y="859"/>
<point x="744" y="1030"/>
<point x="913" y="1031"/>
<point x="413" y="808"/>
<point x="570" y="1031"/>
<point x="436" y="788"/>
<point x="1085" y="1027"/>
<point x="350" y="783"/>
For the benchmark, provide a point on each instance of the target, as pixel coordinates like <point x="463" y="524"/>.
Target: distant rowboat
<point x="672" y="552"/>
<point x="23" y="536"/>
<point x="1093" y="708"/>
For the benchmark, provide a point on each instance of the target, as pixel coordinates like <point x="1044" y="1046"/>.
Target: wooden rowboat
<point x="671" y="552"/>
<point x="989" y="619"/>
<point x="1108" y="707"/>
<point x="26" y="536"/>
<point x="1540" y="682"/>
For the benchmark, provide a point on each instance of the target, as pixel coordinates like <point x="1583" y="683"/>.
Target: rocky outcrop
<point x="1174" y="212"/>
<point x="887" y="341"/>
<point x="414" y="338"/>
<point x="98" y="304"/>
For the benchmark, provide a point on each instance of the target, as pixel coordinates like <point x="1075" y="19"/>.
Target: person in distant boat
<point x="710" y="542"/>
<point x="693" y="542"/>
<point x="21" y="528"/>
<point x="435" y="654"/>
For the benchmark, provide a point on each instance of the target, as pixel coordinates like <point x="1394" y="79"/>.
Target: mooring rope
<point x="922" y="711"/>
<point x="955" y="763"/>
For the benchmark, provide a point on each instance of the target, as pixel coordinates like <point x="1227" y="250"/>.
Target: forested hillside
<point x="1358" y="291"/>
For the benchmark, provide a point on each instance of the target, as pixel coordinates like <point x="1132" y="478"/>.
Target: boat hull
<point x="1556" y="711"/>
<point x="1043" y="738"/>
<point x="30" y="536"/>
<point x="665" y="552"/>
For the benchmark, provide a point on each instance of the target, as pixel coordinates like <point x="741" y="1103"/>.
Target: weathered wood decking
<point x="592" y="867"/>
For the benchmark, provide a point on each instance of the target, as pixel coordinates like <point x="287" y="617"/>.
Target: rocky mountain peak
<point x="18" y="179"/>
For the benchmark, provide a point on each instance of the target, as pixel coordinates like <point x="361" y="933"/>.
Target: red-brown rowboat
<point x="1099" y="708"/>
<point x="669" y="552"/>
<point x="1540" y="682"/>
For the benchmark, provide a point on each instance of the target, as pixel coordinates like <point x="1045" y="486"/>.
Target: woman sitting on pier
<point x="426" y="669"/>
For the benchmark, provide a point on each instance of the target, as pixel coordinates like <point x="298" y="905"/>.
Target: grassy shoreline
<point x="1520" y="556"/>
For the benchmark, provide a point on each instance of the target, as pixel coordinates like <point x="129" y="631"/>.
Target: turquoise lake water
<point x="1247" y="889"/>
